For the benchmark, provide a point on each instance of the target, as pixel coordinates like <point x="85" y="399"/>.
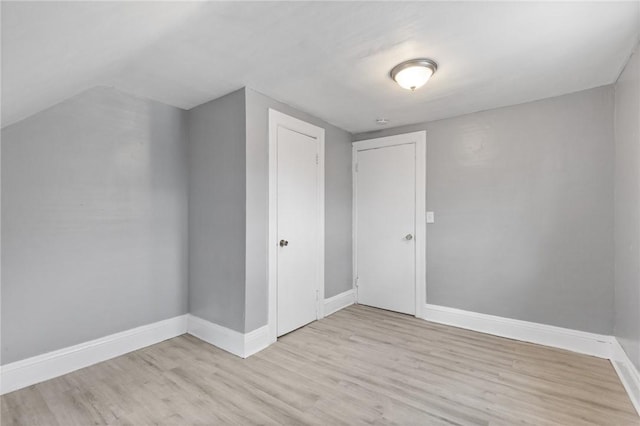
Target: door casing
<point x="420" y="141"/>
<point x="278" y="119"/>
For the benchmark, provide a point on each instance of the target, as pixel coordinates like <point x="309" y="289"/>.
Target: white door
<point x="299" y="233"/>
<point x="387" y="223"/>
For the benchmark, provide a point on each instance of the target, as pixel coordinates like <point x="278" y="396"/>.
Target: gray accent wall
<point x="627" y="209"/>
<point x="217" y="211"/>
<point x="94" y="221"/>
<point x="523" y="205"/>
<point x="338" y="277"/>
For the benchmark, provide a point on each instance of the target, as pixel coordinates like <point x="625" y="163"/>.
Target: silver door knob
<point x="408" y="237"/>
<point x="284" y="243"/>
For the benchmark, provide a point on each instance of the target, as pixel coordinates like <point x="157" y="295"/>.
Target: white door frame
<point x="419" y="139"/>
<point x="278" y="119"/>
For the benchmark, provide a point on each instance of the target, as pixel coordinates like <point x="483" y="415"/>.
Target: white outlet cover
<point x="431" y="217"/>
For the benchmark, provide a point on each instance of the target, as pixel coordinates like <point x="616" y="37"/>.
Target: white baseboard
<point x="256" y="340"/>
<point x="239" y="344"/>
<point x="628" y="373"/>
<point x="597" y="345"/>
<point x="30" y="371"/>
<point x="246" y="344"/>
<point x="27" y="372"/>
<point x="217" y="335"/>
<point x="577" y="341"/>
<point x="340" y="301"/>
<point x="20" y="374"/>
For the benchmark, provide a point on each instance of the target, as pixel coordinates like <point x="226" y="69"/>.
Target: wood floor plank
<point x="358" y="366"/>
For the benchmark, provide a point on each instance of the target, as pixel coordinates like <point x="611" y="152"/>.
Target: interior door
<point x="386" y="227"/>
<point x="298" y="233"/>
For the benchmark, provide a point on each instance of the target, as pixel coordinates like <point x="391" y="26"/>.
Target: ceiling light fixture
<point x="382" y="121"/>
<point x="414" y="73"/>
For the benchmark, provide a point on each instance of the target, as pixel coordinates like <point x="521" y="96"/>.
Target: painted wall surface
<point x="94" y="221"/>
<point x="337" y="205"/>
<point x="523" y="206"/>
<point x="627" y="209"/>
<point x="217" y="210"/>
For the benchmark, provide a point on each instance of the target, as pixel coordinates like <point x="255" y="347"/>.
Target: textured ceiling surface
<point x="330" y="59"/>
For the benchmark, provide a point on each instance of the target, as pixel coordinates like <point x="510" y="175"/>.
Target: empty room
<point x="320" y="213"/>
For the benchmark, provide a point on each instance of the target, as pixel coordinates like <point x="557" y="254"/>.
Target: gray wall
<point x="94" y="214"/>
<point x="337" y="205"/>
<point x="217" y="210"/>
<point x="94" y="221"/>
<point x="627" y="209"/>
<point x="523" y="204"/>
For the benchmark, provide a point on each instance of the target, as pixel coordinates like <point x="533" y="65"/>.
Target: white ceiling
<point x="329" y="59"/>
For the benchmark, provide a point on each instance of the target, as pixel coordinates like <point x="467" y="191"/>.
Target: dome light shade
<point x="414" y="73"/>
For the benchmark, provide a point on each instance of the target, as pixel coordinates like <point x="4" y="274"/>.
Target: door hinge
<point x="316" y="158"/>
<point x="356" y="167"/>
<point x="357" y="278"/>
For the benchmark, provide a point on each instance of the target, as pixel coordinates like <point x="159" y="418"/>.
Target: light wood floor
<point x="360" y="365"/>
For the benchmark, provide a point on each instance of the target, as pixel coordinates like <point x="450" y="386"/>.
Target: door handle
<point x="284" y="243"/>
<point x="408" y="237"/>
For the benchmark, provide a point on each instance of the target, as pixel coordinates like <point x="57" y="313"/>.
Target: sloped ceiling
<point x="330" y="59"/>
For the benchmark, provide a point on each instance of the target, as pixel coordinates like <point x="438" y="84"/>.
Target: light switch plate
<point x="431" y="217"/>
